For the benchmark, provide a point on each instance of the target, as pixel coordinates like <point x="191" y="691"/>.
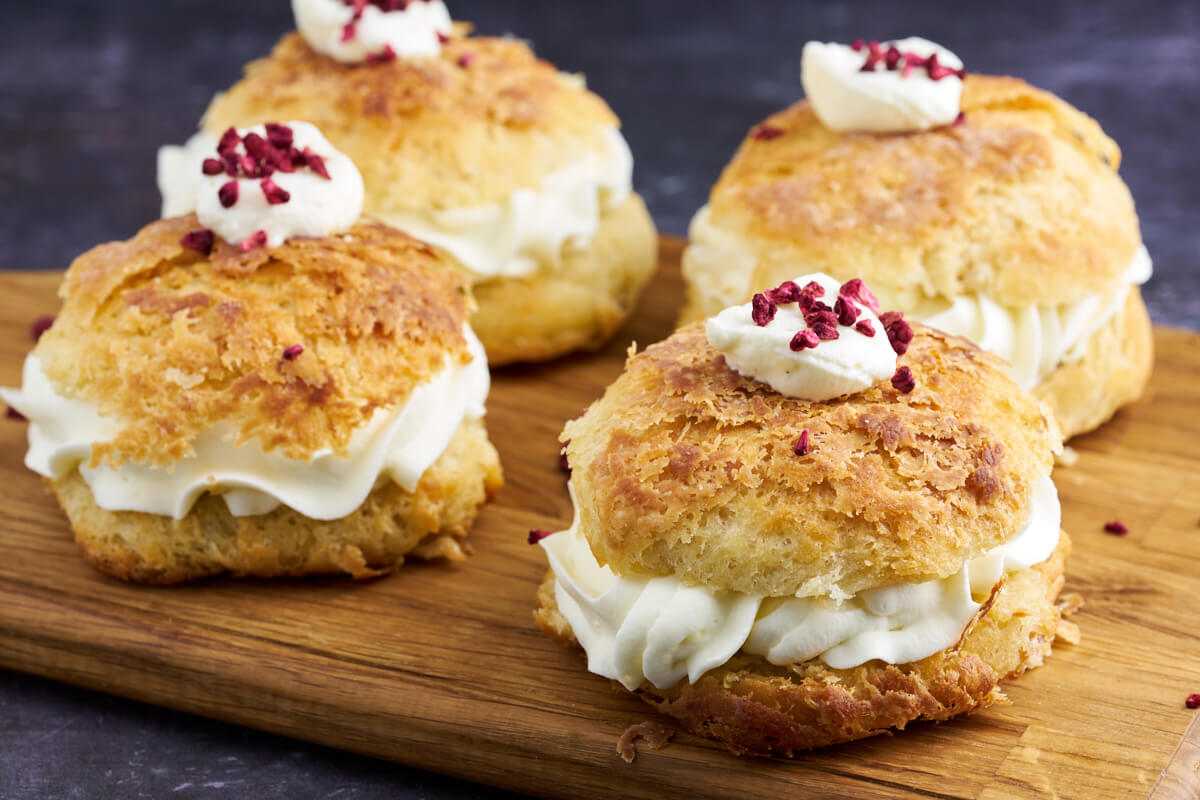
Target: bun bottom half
<point x="576" y="306"/>
<point x="757" y="708"/>
<point x="430" y="522"/>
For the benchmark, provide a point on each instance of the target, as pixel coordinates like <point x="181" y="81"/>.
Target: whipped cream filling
<point x="509" y="239"/>
<point x="636" y="629"/>
<point x="330" y="27"/>
<point x="315" y="205"/>
<point x="530" y="228"/>
<point x="850" y="363"/>
<point x="845" y="98"/>
<point x="397" y="444"/>
<point x="1033" y="340"/>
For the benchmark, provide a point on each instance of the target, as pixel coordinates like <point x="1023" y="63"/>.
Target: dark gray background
<point x="88" y="90"/>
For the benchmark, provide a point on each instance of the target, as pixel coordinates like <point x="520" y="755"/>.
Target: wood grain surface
<point x="442" y="667"/>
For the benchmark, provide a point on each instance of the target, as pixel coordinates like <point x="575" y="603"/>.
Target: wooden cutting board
<point x="441" y="667"/>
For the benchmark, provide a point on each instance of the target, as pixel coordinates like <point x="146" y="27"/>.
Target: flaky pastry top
<point x="1021" y="201"/>
<point x="687" y="468"/>
<point x="171" y="343"/>
<point x="463" y="129"/>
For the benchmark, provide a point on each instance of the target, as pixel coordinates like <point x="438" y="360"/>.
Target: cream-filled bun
<point x="472" y="144"/>
<point x="782" y="566"/>
<point x="1009" y="226"/>
<point x="202" y="407"/>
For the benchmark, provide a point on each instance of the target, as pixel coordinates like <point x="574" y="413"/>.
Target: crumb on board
<point x="655" y="734"/>
<point x="1067" y="631"/>
<point x="1068" y="604"/>
<point x="1069" y="457"/>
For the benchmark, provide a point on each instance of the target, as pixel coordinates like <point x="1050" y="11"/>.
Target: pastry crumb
<point x="655" y="734"/>
<point x="1069" y="457"/>
<point x="1067" y="631"/>
<point x="1069" y="603"/>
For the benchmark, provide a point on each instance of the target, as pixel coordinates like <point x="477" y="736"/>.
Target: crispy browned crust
<point x="653" y="735"/>
<point x="1113" y="371"/>
<point x="426" y="132"/>
<point x="577" y="306"/>
<point x="430" y="522"/>
<point x="170" y="342"/>
<point x="686" y="468"/>
<point x="758" y="708"/>
<point x="1021" y="202"/>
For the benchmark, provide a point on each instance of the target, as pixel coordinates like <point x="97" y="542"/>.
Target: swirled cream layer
<point x="397" y="444"/>
<point x="657" y="629"/>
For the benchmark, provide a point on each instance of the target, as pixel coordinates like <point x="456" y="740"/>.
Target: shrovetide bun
<point x="483" y="125"/>
<point x="1016" y="208"/>
<point x="696" y="504"/>
<point x="182" y="358"/>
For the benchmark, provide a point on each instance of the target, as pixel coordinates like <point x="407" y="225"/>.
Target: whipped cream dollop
<point x="532" y="227"/>
<point x="637" y="629"/>
<point x="818" y="365"/>
<point x="901" y="92"/>
<point x="376" y="29"/>
<point x="1034" y="339"/>
<point x="396" y="443"/>
<point x="306" y="197"/>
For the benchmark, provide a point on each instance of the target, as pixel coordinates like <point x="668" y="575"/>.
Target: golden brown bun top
<point x="1021" y="201"/>
<point x="427" y="132"/>
<point x="171" y="342"/>
<point x="687" y="468"/>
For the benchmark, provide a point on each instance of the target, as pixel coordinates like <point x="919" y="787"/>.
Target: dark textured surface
<point x="88" y="90"/>
<point x="61" y="742"/>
